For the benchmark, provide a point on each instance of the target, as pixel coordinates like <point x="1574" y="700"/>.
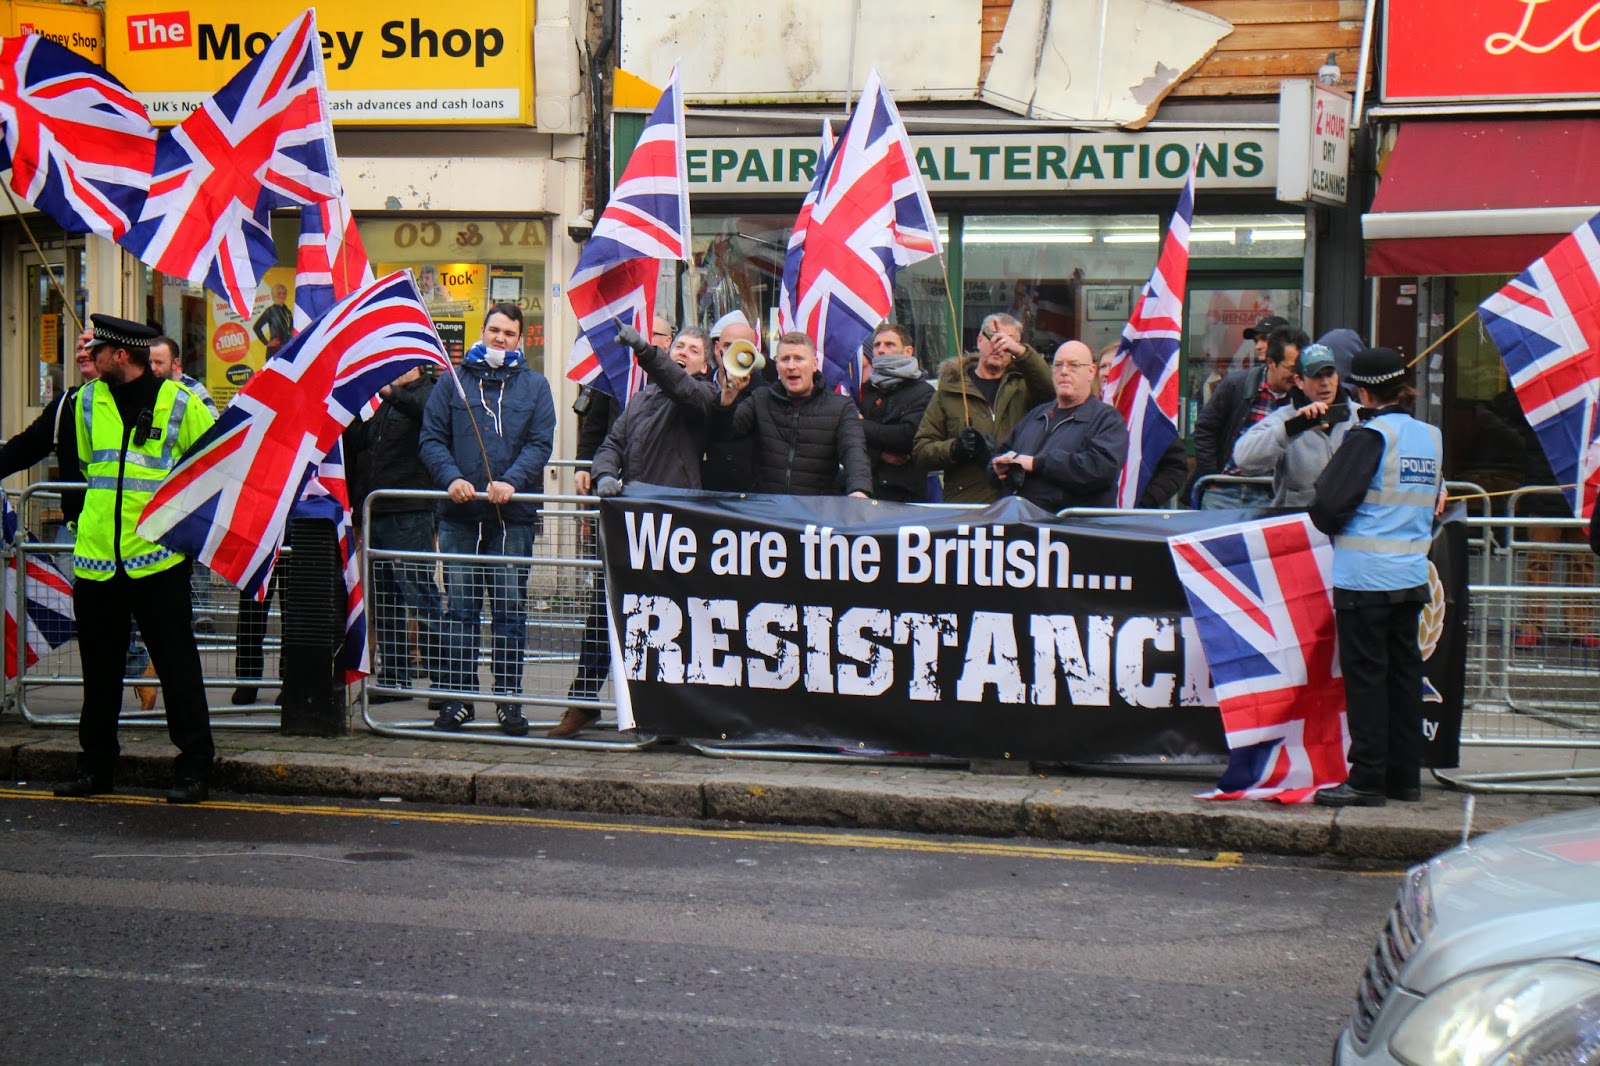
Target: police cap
<point x="121" y="332"/>
<point x="1374" y="366"/>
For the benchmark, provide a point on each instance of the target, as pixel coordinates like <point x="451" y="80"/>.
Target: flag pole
<point x="955" y="325"/>
<point x="1453" y="331"/>
<point x="65" y="303"/>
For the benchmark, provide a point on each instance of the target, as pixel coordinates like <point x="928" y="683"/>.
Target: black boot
<point x="1345" y="796"/>
<point x="188" y="790"/>
<point x="85" y="784"/>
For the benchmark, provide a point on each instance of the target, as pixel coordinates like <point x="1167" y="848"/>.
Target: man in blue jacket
<point x="481" y="448"/>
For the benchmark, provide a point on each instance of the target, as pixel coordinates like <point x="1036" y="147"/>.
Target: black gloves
<point x="971" y="447"/>
<point x="607" y="486"/>
<point x="630" y="336"/>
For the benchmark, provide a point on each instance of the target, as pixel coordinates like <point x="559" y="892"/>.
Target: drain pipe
<point x="599" y="134"/>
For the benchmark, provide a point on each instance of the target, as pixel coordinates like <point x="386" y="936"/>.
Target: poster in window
<point x="236" y="347"/>
<point x="456" y="296"/>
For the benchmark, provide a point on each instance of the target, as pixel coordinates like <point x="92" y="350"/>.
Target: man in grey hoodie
<point x="1296" y="441"/>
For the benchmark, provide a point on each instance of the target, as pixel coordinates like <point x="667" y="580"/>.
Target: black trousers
<point x="249" y="654"/>
<point x="1382" y="667"/>
<point x="105" y="613"/>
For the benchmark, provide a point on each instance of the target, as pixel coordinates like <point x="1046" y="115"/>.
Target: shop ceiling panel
<point x="1113" y="61"/>
<point x="792" y="52"/>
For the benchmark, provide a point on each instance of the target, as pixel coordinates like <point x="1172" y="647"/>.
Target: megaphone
<point x="741" y="359"/>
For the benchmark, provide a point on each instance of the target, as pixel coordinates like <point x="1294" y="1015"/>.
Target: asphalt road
<point x="270" y="932"/>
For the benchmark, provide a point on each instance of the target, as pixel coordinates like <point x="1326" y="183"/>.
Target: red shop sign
<point x="1491" y="49"/>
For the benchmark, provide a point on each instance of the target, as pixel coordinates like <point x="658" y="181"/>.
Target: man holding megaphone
<point x="804" y="431"/>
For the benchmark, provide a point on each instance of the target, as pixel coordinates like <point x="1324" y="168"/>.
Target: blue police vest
<point x="1385" y="544"/>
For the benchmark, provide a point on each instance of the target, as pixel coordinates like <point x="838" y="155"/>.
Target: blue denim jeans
<point x="400" y="586"/>
<point x="507" y="588"/>
<point x="1230" y="497"/>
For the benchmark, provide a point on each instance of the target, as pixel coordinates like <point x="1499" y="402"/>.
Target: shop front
<point x="1059" y="229"/>
<point x="1489" y="143"/>
<point x="474" y="201"/>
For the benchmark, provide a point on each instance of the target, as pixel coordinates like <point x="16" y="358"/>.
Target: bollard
<point x="311" y="585"/>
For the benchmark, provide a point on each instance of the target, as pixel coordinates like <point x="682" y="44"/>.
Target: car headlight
<point x="1532" y="1014"/>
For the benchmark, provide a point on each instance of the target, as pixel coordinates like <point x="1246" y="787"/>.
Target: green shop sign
<point x="1018" y="163"/>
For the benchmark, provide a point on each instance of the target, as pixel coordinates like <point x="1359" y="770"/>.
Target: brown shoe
<point x="147" y="693"/>
<point x="573" y="722"/>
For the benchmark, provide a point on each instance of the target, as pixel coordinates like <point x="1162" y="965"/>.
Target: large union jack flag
<point x="1546" y="323"/>
<point x="80" y="146"/>
<point x="263" y="141"/>
<point x="47" y="619"/>
<point x="869" y="216"/>
<point x="227" y="501"/>
<point x="1262" y="600"/>
<point x="645" y="221"/>
<point x="1141" y="379"/>
<point x="330" y="264"/>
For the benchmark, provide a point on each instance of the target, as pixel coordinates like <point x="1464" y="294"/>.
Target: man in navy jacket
<point x="1070" y="451"/>
<point x="481" y="448"/>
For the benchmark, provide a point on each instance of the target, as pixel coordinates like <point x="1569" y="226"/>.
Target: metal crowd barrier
<point x="37" y="689"/>
<point x="1533" y="666"/>
<point x="1211" y="481"/>
<point x="560" y="597"/>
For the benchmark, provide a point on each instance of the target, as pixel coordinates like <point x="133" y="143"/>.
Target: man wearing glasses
<point x="1070" y="451"/>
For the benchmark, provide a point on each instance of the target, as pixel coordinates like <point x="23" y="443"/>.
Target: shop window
<point x="1248" y="237"/>
<point x="738" y="266"/>
<point x="462" y="265"/>
<point x="1071" y="277"/>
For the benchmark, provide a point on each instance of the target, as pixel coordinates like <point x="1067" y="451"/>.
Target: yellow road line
<point x="813" y="838"/>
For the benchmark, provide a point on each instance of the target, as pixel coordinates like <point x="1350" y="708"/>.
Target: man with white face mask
<point x="481" y="450"/>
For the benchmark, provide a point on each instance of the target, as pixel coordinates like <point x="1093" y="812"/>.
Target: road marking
<point x="814" y="838"/>
<point x="595" y="1015"/>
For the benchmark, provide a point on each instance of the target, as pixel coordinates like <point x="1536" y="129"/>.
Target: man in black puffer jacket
<point x="804" y="431"/>
<point x="660" y="439"/>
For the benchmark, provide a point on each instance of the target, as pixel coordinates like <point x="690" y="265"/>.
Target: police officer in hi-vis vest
<point x="132" y="428"/>
<point x="1377" y="498"/>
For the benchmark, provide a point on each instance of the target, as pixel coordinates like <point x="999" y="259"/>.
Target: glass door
<point x="1219" y="309"/>
<point x="49" y="331"/>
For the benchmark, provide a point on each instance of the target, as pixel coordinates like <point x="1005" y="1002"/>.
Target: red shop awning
<point x="1473" y="197"/>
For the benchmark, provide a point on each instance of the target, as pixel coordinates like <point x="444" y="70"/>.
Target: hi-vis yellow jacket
<point x="123" y="475"/>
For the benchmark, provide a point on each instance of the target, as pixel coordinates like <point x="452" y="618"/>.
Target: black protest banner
<point x="1000" y="632"/>
<point x="844" y="623"/>
<point x="1442" y="636"/>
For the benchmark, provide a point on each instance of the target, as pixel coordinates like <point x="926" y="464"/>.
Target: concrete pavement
<point x="1089" y="806"/>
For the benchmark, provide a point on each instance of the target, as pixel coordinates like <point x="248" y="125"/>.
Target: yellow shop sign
<point x="72" y="27"/>
<point x="391" y="63"/>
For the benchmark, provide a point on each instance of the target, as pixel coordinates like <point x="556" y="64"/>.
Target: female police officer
<point x="1377" y="498"/>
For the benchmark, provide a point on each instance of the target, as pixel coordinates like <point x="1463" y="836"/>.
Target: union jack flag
<point x="330" y="264"/>
<point x="1261" y="595"/>
<point x="263" y="141"/>
<point x="1141" y="379"/>
<point x="327" y="495"/>
<point x="869" y="217"/>
<point x="79" y="145"/>
<point x="48" y="619"/>
<point x="645" y="221"/>
<point x="227" y="501"/>
<point x="1546" y="323"/>
<point x="787" y="319"/>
